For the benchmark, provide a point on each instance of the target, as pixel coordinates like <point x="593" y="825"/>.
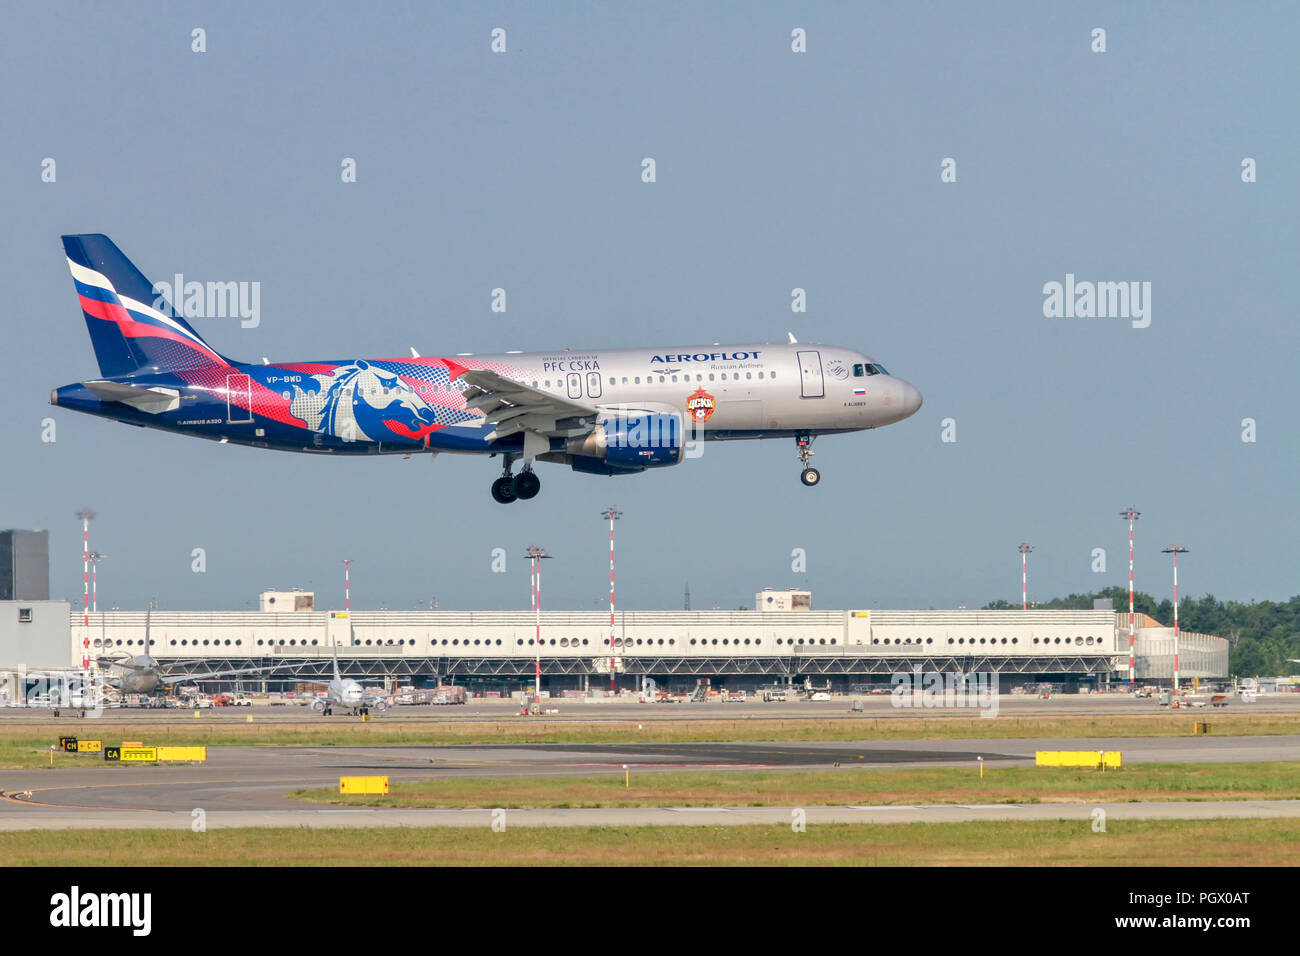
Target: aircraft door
<point x="810" y="375"/>
<point x="239" y="392"/>
<point x="593" y="385"/>
<point x="575" y="385"/>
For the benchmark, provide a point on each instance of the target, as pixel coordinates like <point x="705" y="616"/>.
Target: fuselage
<point x="397" y="406"/>
<point x="139" y="675"/>
<point x="345" y="691"/>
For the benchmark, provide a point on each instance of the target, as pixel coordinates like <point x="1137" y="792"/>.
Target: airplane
<point x="142" y="674"/>
<point x="345" y="691"/>
<point x="599" y="411"/>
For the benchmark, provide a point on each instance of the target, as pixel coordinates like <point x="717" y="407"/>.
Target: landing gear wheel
<point x="503" y="490"/>
<point x="526" y="485"/>
<point x="803" y="445"/>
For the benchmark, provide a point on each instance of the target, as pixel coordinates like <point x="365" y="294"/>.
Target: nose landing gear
<point x="810" y="476"/>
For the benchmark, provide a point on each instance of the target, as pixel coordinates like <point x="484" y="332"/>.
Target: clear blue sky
<point x="775" y="170"/>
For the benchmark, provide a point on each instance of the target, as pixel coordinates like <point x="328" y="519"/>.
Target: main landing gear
<point x="503" y="490"/>
<point x="810" y="476"/>
<point x="522" y="486"/>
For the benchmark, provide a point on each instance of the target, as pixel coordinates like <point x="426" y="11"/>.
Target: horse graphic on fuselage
<point x="362" y="402"/>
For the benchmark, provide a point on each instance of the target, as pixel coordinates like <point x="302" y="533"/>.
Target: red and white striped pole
<point x="536" y="554"/>
<point x="611" y="514"/>
<point x="85" y="514"/>
<point x="1132" y="516"/>
<point x="95" y="558"/>
<point x="1024" y="575"/>
<point x="537" y="635"/>
<point x="1175" y="550"/>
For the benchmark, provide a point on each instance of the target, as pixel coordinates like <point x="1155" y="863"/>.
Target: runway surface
<point x="669" y="816"/>
<point x="247" y="784"/>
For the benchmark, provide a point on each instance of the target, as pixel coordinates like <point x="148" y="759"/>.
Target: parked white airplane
<point x="345" y="692"/>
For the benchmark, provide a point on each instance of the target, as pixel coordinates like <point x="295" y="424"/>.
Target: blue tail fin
<point x="131" y="327"/>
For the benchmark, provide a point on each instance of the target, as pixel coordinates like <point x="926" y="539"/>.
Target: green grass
<point x="1271" y="842"/>
<point x="1209" y="781"/>
<point x="27" y="745"/>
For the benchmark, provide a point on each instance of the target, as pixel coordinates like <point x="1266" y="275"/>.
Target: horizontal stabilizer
<point x="152" y="401"/>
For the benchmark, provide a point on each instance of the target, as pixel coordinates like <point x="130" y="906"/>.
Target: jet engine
<point x="626" y="442"/>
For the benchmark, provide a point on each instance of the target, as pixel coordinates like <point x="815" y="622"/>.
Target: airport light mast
<point x="95" y="558"/>
<point x="536" y="555"/>
<point x="1132" y="516"/>
<point x="1024" y="550"/>
<point x="1175" y="550"/>
<point x="86" y="515"/>
<point x="612" y="514"/>
<point x="347" y="589"/>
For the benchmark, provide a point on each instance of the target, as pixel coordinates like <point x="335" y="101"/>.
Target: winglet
<point x="793" y="340"/>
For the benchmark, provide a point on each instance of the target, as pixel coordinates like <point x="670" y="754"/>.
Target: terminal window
<point x="24" y="615"/>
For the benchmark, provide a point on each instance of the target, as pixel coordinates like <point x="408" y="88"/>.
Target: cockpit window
<point x="868" y="369"/>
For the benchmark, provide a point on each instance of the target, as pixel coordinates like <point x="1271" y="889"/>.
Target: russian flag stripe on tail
<point x="126" y="329"/>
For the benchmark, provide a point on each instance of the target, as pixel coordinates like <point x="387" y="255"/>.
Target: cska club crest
<point x="700" y="404"/>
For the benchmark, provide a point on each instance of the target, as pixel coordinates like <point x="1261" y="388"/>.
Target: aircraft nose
<point x="911" y="399"/>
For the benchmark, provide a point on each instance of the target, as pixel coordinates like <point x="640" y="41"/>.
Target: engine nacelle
<point x="318" y="705"/>
<point x="629" y="442"/>
<point x="650" y="440"/>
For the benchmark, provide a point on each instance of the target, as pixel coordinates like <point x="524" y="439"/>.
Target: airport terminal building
<point x="741" y="649"/>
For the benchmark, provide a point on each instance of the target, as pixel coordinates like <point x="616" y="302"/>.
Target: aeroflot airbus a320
<point x="607" y="412"/>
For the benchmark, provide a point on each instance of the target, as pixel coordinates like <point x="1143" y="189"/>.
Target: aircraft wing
<point x="514" y="407"/>
<point x="150" y="400"/>
<point x="209" y="675"/>
<point x="21" y="669"/>
<point x="122" y="661"/>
